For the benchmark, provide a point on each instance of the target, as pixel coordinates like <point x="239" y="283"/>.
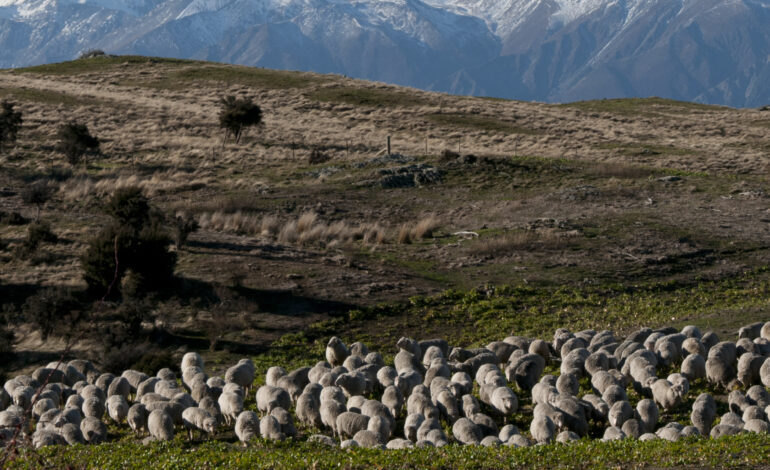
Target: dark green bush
<point x="237" y="114"/>
<point x="136" y="240"/>
<point x="38" y="193"/>
<point x="10" y="123"/>
<point x="184" y="225"/>
<point x="53" y="309"/>
<point x="12" y="218"/>
<point x="75" y="140"/>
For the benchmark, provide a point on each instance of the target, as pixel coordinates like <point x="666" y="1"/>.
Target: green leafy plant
<point x="238" y="114"/>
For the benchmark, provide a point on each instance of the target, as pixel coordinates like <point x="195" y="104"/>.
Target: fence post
<point x="388" y="145"/>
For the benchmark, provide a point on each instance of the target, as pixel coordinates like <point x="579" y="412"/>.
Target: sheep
<point x="507" y="432"/>
<point x="597" y="407"/>
<point x="485" y="423"/>
<point x="137" y="418"/>
<point x="46" y="438"/>
<point x="613" y="433"/>
<point x="94" y="431"/>
<point x="380" y="425"/>
<point x="412" y="424"/>
<point x="764" y="372"/>
<point x="753" y="412"/>
<point x="757" y="395"/>
<point x="321" y="439"/>
<point x="72" y="434"/>
<point x="353" y="362"/>
<point x="504" y="401"/>
<point x="330" y="411"/>
<point x="466" y="431"/>
<point x="198" y="418"/>
<point x="247" y="427"/>
<point x="724" y="430"/>
<point x="525" y="370"/>
<point x="719" y="364"/>
<point x="693" y="346"/>
<point x="352" y="383"/>
<point x="399" y="444"/>
<point x="491" y="441"/>
<point x="542" y="429"/>
<point x="632" y="428"/>
<point x="694" y="367"/>
<point x="231" y="405"/>
<point x="749" y="365"/>
<point x="619" y="413"/>
<point x="308" y="410"/>
<point x="119" y="386"/>
<point x="336" y="351"/>
<point x="732" y="418"/>
<point x="757" y="426"/>
<point x="146" y="386"/>
<point x="241" y="374"/>
<point x="567" y="384"/>
<point x="349" y="423"/>
<point x="447" y="405"/>
<point x="737" y="401"/>
<point x="93" y="407"/>
<point x="573" y="414"/>
<point x="117" y="407"/>
<point x="393" y="399"/>
<point x="269" y="397"/>
<point x="161" y="425"/>
<point x="285" y="421"/>
<point x="614" y="394"/>
<point x="368" y="439"/>
<point x="666" y="394"/>
<point x="648" y="414"/>
<point x="134" y="378"/>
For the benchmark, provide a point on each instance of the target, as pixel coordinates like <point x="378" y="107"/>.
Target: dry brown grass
<point x="404" y="234"/>
<point x="524" y="241"/>
<point x="425" y="228"/>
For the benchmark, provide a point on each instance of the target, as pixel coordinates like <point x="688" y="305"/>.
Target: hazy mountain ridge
<point x="713" y="51"/>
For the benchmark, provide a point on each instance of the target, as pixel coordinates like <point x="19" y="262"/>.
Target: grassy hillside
<point x="490" y="218"/>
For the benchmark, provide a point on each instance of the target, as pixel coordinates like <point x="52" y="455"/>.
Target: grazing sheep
<point x="542" y="429"/>
<point x="648" y="414"/>
<point x="504" y="401"/>
<point x="573" y="414"/>
<point x="308" y="409"/>
<point x="161" y="425"/>
<point x="352" y="383"/>
<point x="567" y="384"/>
<point x="269" y="397"/>
<point x="764" y="372"/>
<point x="242" y="374"/>
<point x="247" y="427"/>
<point x="613" y="433"/>
<point x="349" y="423"/>
<point x="668" y="395"/>
<point x="491" y="441"/>
<point x="285" y="421"/>
<point x="619" y="413"/>
<point x="753" y="412"/>
<point x="724" y="430"/>
<point x="336" y="351"/>
<point x="330" y="411"/>
<point x="117" y="408"/>
<point x="398" y="443"/>
<point x="447" y="405"/>
<point x="119" y="386"/>
<point x="694" y="367"/>
<point x="737" y="401"/>
<point x="508" y="431"/>
<point x="368" y="439"/>
<point x="486" y="424"/>
<point x="72" y="434"/>
<point x="197" y="418"/>
<point x="94" y="431"/>
<point x="145" y="387"/>
<point x="632" y="428"/>
<point x="412" y="424"/>
<point x="749" y="365"/>
<point x="231" y="405"/>
<point x="93" y="407"/>
<point x="393" y="399"/>
<point x="757" y="395"/>
<point x="693" y="346"/>
<point x="757" y="426"/>
<point x="382" y="426"/>
<point x="525" y="370"/>
<point x="732" y="418"/>
<point x="614" y="394"/>
<point x="720" y="367"/>
<point x="134" y="378"/>
<point x="466" y="431"/>
<point x="137" y="418"/>
<point x="597" y="407"/>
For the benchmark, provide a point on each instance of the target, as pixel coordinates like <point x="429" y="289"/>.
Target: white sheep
<point x="231" y="405"/>
<point x="94" y="431"/>
<point x="161" y="425"/>
<point x="198" y="418"/>
<point x="247" y="427"/>
<point x="117" y="407"/>
<point x="137" y="418"/>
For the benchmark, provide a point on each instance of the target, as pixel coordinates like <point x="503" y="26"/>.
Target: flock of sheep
<point x="428" y="389"/>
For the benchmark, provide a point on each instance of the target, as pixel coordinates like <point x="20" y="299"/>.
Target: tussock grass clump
<point x="424" y="228"/>
<point x="510" y="243"/>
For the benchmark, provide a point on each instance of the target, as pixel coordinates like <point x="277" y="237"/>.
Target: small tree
<point x="53" y="309"/>
<point x="10" y="122"/>
<point x="135" y="241"/>
<point x="38" y="193"/>
<point x="75" y="141"/>
<point x="238" y="114"/>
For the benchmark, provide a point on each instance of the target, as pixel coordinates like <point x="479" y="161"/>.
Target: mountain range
<point x="711" y="51"/>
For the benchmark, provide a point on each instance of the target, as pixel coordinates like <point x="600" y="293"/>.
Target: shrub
<point x="136" y="240"/>
<point x="38" y="193"/>
<point x="53" y="309"/>
<point x="12" y="218"/>
<point x="316" y="157"/>
<point x="75" y="140"/>
<point x="238" y="114"/>
<point x="184" y="225"/>
<point x="10" y="122"/>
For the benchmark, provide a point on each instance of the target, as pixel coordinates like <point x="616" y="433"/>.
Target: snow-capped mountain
<point x="714" y="51"/>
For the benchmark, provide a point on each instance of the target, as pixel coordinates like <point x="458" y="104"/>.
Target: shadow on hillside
<point x="281" y="302"/>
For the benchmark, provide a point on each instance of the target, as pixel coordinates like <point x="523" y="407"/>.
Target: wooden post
<point x="388" y="145"/>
